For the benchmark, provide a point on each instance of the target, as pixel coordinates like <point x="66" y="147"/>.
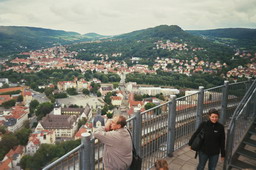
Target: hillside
<point x="241" y="38"/>
<point x="163" y="41"/>
<point x="154" y="42"/>
<point x="17" y="39"/>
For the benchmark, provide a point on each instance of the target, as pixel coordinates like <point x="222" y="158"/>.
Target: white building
<point x="64" y="126"/>
<point x="157" y="90"/>
<point x="116" y="100"/>
<point x="38" y="138"/>
<point x="15" y="120"/>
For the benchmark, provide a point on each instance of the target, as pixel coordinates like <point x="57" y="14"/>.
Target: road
<point x="40" y="97"/>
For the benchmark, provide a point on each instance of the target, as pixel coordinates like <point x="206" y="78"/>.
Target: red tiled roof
<point x="35" y="141"/>
<point x="27" y="93"/>
<point x="5" y="164"/>
<point x="17" y="112"/>
<point x="80" y="131"/>
<point x="130" y="111"/>
<point x="16" y="150"/>
<point x="10" y="153"/>
<point x="116" y="98"/>
<point x="11" y="89"/>
<point x="19" y="149"/>
<point x="89" y="125"/>
<point x="4" y="98"/>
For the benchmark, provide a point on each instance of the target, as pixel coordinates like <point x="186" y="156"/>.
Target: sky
<point x="114" y="17"/>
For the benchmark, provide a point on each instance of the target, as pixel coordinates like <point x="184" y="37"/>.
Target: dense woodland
<point x="15" y="39"/>
<point x="176" y="80"/>
<point x="142" y="44"/>
<point x="46" y="77"/>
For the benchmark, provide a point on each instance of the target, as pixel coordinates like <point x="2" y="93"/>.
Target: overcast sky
<point x="113" y="17"/>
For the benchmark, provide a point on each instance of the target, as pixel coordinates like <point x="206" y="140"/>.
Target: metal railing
<point x="161" y="130"/>
<point x="240" y="123"/>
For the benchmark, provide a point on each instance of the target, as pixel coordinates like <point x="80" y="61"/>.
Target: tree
<point x="60" y="95"/>
<point x="86" y="92"/>
<point x="115" y="85"/>
<point x="8" y="142"/>
<point x="72" y="91"/>
<point x="22" y="136"/>
<point x="8" y="104"/>
<point x="2" y="129"/>
<point x="25" y="160"/>
<point x="81" y="122"/>
<point x="138" y="97"/>
<point x="98" y="94"/>
<point x="104" y="110"/>
<point x="5" y="85"/>
<point x="48" y="91"/>
<point x="73" y="106"/>
<point x="160" y="96"/>
<point x="26" y="124"/>
<point x="149" y="106"/>
<point x="32" y="106"/>
<point x="107" y="98"/>
<point x="110" y="114"/>
<point x="43" y="109"/>
<point x="20" y="98"/>
<point x="47" y="153"/>
<point x="95" y="87"/>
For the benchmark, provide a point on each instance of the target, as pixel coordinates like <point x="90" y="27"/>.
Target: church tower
<point x="57" y="108"/>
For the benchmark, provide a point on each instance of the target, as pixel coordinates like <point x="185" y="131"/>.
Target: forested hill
<point x="239" y="33"/>
<point x="161" y="32"/>
<point x="15" y="39"/>
<point x="242" y="38"/>
<point x="162" y="41"/>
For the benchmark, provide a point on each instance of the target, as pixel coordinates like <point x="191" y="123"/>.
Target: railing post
<point x="248" y="83"/>
<point x="137" y="132"/>
<point x="200" y="104"/>
<point x="85" y="152"/>
<point x="224" y="103"/>
<point x="229" y="145"/>
<point x="171" y="126"/>
<point x="254" y="104"/>
<point x="249" y="107"/>
<point x="92" y="155"/>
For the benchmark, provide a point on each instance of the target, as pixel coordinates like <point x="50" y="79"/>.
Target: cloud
<point x="114" y="17"/>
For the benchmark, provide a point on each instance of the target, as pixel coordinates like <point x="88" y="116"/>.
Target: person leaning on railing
<point x="213" y="143"/>
<point x="117" y="144"/>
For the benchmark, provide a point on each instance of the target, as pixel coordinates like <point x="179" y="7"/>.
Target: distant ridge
<point x="239" y="33"/>
<point x="239" y="38"/>
<point x="15" y="39"/>
<point x="162" y="31"/>
<point x="94" y="35"/>
<point x="36" y="31"/>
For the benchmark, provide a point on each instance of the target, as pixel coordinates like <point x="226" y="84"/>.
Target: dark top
<point x="214" y="139"/>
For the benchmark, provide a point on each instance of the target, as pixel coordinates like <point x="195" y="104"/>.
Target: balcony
<point x="161" y="131"/>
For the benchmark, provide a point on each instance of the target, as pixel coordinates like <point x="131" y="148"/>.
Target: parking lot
<point x="82" y="100"/>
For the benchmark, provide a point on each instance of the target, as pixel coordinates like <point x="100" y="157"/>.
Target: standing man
<point x="117" y="144"/>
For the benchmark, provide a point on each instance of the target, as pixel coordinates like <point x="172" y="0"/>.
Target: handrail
<point x="153" y="128"/>
<point x="248" y="93"/>
<point x="63" y="157"/>
<point x="231" y="145"/>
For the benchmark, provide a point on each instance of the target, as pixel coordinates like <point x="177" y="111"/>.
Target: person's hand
<point x="108" y="125"/>
<point x="222" y="158"/>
